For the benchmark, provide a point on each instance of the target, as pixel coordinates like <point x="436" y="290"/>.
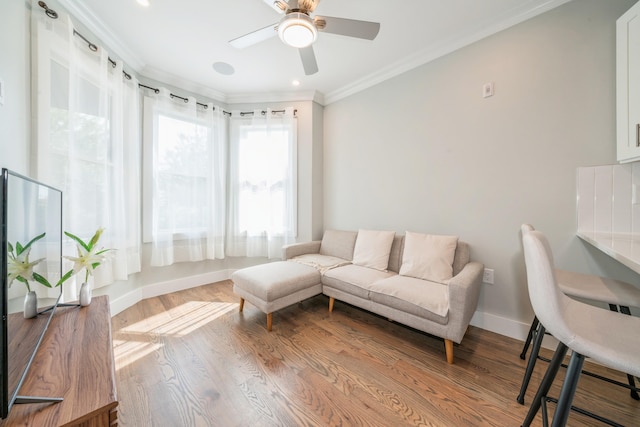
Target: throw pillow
<point x="373" y="248"/>
<point x="428" y="256"/>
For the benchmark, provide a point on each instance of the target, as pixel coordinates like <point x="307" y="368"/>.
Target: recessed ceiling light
<point x="223" y="68"/>
<point x="144" y="3"/>
<point x="296" y="82"/>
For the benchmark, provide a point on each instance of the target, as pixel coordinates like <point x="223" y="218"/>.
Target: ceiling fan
<point x="298" y="29"/>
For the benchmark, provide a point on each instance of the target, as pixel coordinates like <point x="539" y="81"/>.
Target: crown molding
<point x="435" y="52"/>
<point x="106" y="35"/>
<point x="310" y="95"/>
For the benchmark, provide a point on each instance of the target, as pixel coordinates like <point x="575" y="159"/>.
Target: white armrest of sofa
<point x="464" y="292"/>
<point x="297" y="249"/>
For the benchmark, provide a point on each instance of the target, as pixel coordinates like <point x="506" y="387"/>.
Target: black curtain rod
<point x="156" y="90"/>
<point x="263" y="112"/>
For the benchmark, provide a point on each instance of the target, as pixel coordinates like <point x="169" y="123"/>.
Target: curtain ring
<point x="49" y="12"/>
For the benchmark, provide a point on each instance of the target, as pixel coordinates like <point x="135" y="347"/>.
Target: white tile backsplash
<point x="603" y="205"/>
<point x="622" y="192"/>
<point x="585" y="198"/>
<point x="608" y="198"/>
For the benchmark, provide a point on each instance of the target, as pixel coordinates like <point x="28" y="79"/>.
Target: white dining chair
<point x="619" y="295"/>
<point x="581" y="327"/>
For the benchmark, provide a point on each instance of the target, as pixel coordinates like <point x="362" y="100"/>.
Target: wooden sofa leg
<point x="269" y="321"/>
<point x="448" y="347"/>
<point x="331" y="301"/>
<point x="241" y="304"/>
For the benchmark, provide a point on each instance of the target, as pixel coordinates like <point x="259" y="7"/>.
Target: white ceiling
<point x="177" y="42"/>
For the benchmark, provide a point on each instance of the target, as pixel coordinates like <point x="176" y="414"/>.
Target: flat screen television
<point x="30" y="211"/>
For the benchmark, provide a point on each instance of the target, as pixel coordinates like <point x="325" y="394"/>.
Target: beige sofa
<point x="394" y="287"/>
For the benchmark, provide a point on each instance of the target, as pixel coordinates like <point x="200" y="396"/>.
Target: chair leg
<point x="332" y="300"/>
<point x="241" y="304"/>
<point x="532" y="329"/>
<point x="634" y="394"/>
<point x="269" y="321"/>
<point x="533" y="357"/>
<point x="568" y="390"/>
<point x="546" y="383"/>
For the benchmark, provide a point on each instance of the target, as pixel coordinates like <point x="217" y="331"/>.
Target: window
<point x="262" y="211"/>
<point x="184" y="187"/>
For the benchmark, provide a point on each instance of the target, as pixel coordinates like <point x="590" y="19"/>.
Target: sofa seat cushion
<point x="354" y="279"/>
<point x="419" y="297"/>
<point x="322" y="263"/>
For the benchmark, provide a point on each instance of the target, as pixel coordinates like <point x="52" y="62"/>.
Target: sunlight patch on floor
<point x="127" y="352"/>
<point x="181" y="320"/>
<point x="176" y="322"/>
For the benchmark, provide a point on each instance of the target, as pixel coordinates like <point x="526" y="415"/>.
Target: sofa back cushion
<point x="338" y="243"/>
<point x="395" y="257"/>
<point x="461" y="257"/>
<point x="428" y="256"/>
<point x="372" y="249"/>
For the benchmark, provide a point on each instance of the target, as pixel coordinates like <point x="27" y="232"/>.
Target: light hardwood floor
<point x="191" y="359"/>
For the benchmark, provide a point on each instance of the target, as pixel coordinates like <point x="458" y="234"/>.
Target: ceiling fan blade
<point x="254" y="37"/>
<point x="348" y="27"/>
<point x="308" y="58"/>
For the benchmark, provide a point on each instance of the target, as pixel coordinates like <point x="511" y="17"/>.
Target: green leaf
<point x="64" y="278"/>
<point x="78" y="240"/>
<point x="40" y="279"/>
<point x="28" y="245"/>
<point x="95" y="265"/>
<point x="103" y="251"/>
<point x="95" y="238"/>
<point x="22" y="279"/>
<point x="9" y="247"/>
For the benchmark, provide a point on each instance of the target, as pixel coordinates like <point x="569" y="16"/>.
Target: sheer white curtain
<point x="262" y="183"/>
<point x="185" y="187"/>
<point x="87" y="143"/>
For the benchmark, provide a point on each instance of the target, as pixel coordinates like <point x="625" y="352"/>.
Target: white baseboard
<point x="508" y="327"/>
<point x="162" y="288"/>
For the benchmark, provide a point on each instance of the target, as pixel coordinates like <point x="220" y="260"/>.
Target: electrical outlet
<point x="487" y="277"/>
<point x="487" y="90"/>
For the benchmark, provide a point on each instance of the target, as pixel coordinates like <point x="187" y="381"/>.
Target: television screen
<point x="30" y="259"/>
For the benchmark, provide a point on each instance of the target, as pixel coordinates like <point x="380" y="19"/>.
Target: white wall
<point x="426" y="152"/>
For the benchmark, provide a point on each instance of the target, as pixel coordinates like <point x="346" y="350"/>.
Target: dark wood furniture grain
<point x="75" y="362"/>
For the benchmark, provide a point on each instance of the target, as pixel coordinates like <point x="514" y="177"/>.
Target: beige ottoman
<point x="276" y="285"/>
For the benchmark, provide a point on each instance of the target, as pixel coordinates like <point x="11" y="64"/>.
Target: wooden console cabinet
<point x="74" y="362"/>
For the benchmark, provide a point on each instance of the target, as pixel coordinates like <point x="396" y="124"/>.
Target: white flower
<point x="89" y="257"/>
<point x="19" y="267"/>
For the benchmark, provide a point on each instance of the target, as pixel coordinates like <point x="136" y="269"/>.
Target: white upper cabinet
<point x="628" y="84"/>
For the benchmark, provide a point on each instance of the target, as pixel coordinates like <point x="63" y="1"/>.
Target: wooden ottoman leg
<point x="269" y="321"/>
<point x="331" y="301"/>
<point x="241" y="304"/>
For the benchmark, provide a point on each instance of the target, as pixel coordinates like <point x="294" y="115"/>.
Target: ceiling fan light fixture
<point x="297" y="30"/>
